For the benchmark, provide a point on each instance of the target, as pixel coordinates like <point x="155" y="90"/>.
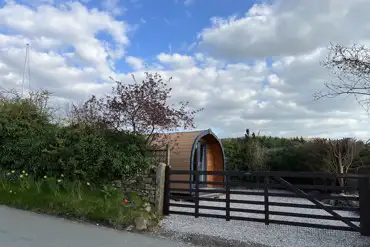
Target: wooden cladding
<point x="183" y="155"/>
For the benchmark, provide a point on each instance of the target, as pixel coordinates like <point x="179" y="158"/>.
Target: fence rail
<point x="271" y="173"/>
<point x="268" y="186"/>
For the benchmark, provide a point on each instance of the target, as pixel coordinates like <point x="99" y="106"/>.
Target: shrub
<point x="30" y="141"/>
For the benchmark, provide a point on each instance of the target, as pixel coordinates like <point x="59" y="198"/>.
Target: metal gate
<point x="351" y="192"/>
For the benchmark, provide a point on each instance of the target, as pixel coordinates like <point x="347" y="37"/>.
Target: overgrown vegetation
<point x="103" y="140"/>
<point x="30" y="141"/>
<point x="73" y="199"/>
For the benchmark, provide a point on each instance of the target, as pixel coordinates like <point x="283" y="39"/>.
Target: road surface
<point x="26" y="229"/>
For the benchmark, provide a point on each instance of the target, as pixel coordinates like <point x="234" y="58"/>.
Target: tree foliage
<point x="140" y="108"/>
<point x="297" y="154"/>
<point x="246" y="153"/>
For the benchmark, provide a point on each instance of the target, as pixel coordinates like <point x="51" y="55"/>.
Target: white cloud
<point x="135" y="63"/>
<point x="176" y="60"/>
<point x="71" y="59"/>
<point x="64" y="50"/>
<point x="287" y="27"/>
<point x="33" y="2"/>
<point x="73" y="25"/>
<point x="113" y="6"/>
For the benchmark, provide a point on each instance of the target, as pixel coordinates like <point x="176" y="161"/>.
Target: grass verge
<point x="78" y="200"/>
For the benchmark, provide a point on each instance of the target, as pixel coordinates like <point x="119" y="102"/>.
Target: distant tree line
<point x="260" y="153"/>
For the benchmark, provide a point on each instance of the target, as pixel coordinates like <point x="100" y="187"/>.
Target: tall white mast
<point x="26" y="75"/>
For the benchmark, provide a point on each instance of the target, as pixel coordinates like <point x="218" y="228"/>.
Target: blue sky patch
<point x="171" y="26"/>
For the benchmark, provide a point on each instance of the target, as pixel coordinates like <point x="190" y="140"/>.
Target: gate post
<point x="266" y="199"/>
<point x="227" y="195"/>
<point x="364" y="197"/>
<point x="364" y="194"/>
<point x="196" y="208"/>
<point x="166" y="199"/>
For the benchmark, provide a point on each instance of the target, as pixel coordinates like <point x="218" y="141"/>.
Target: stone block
<point x="141" y="223"/>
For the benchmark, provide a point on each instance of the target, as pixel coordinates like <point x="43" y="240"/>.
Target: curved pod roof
<point x="183" y="147"/>
<point x="207" y="135"/>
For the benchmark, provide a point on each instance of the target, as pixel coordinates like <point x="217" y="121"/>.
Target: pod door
<point x="201" y="161"/>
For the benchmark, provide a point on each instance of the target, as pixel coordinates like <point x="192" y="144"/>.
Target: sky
<point x="249" y="64"/>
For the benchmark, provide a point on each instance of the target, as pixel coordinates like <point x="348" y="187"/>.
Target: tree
<point x="339" y="155"/>
<point x="258" y="156"/>
<point x="351" y="67"/>
<point x="235" y="153"/>
<point x="363" y="160"/>
<point x="255" y="153"/>
<point x="91" y="113"/>
<point x="140" y="108"/>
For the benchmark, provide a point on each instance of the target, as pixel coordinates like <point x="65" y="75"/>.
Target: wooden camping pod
<point x="194" y="150"/>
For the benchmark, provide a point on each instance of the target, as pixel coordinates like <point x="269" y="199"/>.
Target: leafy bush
<point x="30" y="141"/>
<point x="100" y="155"/>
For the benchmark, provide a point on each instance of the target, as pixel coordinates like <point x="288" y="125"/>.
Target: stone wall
<point x="150" y="186"/>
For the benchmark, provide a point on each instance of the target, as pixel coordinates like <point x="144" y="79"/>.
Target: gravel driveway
<point x="258" y="233"/>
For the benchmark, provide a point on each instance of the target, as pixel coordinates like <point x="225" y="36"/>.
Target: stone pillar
<point x="159" y="193"/>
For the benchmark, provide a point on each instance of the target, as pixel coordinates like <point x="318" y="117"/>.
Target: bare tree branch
<point x="351" y="68"/>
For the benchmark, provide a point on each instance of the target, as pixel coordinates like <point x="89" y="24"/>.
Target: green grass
<point x="72" y="199"/>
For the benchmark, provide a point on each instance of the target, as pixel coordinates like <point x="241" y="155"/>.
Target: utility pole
<point x="26" y="74"/>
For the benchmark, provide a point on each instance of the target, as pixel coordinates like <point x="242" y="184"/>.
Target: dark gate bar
<point x="276" y="181"/>
<point x="227" y="197"/>
<point x="266" y="197"/>
<point x="196" y="195"/>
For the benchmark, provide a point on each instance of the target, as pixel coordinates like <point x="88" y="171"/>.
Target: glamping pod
<point x="195" y="150"/>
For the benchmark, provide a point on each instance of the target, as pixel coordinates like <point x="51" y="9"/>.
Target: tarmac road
<point x="20" y="228"/>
